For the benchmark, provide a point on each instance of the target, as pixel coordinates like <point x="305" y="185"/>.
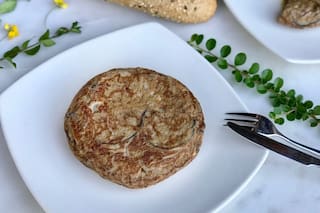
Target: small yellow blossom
<point x="61" y="4"/>
<point x="13" y="31"/>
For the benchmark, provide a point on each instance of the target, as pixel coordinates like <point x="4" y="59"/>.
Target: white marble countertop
<point x="281" y="185"/>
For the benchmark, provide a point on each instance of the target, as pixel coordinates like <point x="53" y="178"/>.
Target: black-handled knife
<point x="275" y="146"/>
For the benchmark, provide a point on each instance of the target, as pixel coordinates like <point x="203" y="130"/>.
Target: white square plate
<point x="260" y="19"/>
<point x="32" y="115"/>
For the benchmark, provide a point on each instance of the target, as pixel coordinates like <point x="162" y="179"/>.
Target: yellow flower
<point x="61" y="3"/>
<point x="13" y="31"/>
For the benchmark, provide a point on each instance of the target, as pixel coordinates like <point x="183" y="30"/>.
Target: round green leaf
<point x="225" y="51"/>
<point x="237" y="75"/>
<point x="275" y="102"/>
<point x="286" y="108"/>
<point x="261" y="89"/>
<point x="269" y="85"/>
<point x="305" y="116"/>
<point x="211" y="44"/>
<point x="299" y="98"/>
<point x="272" y="115"/>
<point x="199" y="39"/>
<point x="249" y="82"/>
<point x="316" y="110"/>
<point x="279" y="121"/>
<point x="313" y="123"/>
<point x="266" y="75"/>
<point x="254" y="68"/>
<point x="292" y="102"/>
<point x="210" y="58"/>
<point x="291" y="116"/>
<point x="291" y="93"/>
<point x="278" y="83"/>
<point x="308" y="104"/>
<point x="193" y="37"/>
<point x="222" y="64"/>
<point x="240" y="59"/>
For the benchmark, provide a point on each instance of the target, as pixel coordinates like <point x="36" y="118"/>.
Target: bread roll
<point x="185" y="11"/>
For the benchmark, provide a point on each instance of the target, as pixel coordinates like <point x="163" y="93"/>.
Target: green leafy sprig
<point x="46" y="40"/>
<point x="7" y="6"/>
<point x="287" y="105"/>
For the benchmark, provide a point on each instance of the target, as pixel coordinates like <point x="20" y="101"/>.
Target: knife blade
<point x="275" y="146"/>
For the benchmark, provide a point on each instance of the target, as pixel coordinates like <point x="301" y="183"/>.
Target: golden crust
<point x="185" y="11"/>
<point x="134" y="126"/>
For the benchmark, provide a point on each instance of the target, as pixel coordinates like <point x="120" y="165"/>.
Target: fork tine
<point x="245" y="127"/>
<point x="241" y="120"/>
<point x="243" y="114"/>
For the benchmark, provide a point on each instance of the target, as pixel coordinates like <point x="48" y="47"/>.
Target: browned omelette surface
<point x="134" y="126"/>
<point x="300" y="13"/>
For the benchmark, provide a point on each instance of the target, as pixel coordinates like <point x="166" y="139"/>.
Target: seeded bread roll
<point x="185" y="11"/>
<point x="134" y="126"/>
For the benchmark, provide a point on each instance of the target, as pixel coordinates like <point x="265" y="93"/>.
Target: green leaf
<point x="193" y="37"/>
<point x="314" y="123"/>
<point x="286" y="108"/>
<point x="308" y="104"/>
<point x="272" y="115"/>
<point x="33" y="50"/>
<point x="279" y="121"/>
<point x="266" y="75"/>
<point x="301" y="108"/>
<point x="199" y="39"/>
<point x="12" y="53"/>
<point x="225" y="51"/>
<point x="254" y="68"/>
<point x="75" y="25"/>
<point x="278" y="83"/>
<point x="249" y="82"/>
<point x="64" y="30"/>
<point x="240" y="59"/>
<point x="277" y="110"/>
<point x="292" y="102"/>
<point x="275" y="102"/>
<point x="211" y="44"/>
<point x="261" y="89"/>
<point x="291" y="93"/>
<point x="44" y="36"/>
<point x="48" y="42"/>
<point x="7" y="6"/>
<point x="256" y="78"/>
<point x="291" y="116"/>
<point x="269" y="85"/>
<point x="299" y="98"/>
<point x="222" y="64"/>
<point x="75" y="30"/>
<point x="316" y="110"/>
<point x="237" y="75"/>
<point x="305" y="116"/>
<point x="11" y="62"/>
<point x="25" y="44"/>
<point x="199" y="51"/>
<point x="210" y="58"/>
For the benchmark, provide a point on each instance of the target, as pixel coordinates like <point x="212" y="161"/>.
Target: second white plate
<point x="260" y="19"/>
<point x="32" y="116"/>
